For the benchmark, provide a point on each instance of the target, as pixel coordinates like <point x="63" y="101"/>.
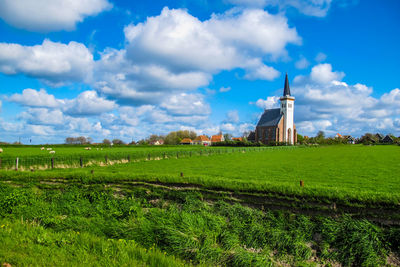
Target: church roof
<point x="270" y="117"/>
<point x="286" y="91"/>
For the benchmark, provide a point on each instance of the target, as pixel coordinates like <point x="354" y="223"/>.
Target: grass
<point x="89" y="224"/>
<point x="76" y="156"/>
<point x="118" y="223"/>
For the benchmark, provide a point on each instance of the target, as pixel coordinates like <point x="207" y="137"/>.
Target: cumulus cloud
<point x="88" y="103"/>
<point x="270" y="102"/>
<point x="225" y="41"/>
<point x="302" y="63"/>
<point x="43" y="116"/>
<point x="175" y="52"/>
<point x="232" y="116"/>
<point x="224" y="89"/>
<point x="33" y="98"/>
<point x="323" y="73"/>
<point x="186" y="104"/>
<point x="54" y="63"/>
<point x="325" y="102"/>
<point x="49" y="15"/>
<point x="320" y="57"/>
<point x="317" y="8"/>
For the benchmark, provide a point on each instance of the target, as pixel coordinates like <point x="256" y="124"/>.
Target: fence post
<point x="177" y="155"/>
<point x="81" y="162"/>
<point x="164" y="155"/>
<point x="190" y="153"/>
<point x="106" y="159"/>
<point x="16" y="164"/>
<point x="129" y="158"/>
<point x="52" y="163"/>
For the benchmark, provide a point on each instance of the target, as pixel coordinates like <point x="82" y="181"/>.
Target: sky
<point x="129" y="69"/>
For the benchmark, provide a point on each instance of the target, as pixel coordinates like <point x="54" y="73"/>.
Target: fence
<point x="76" y="161"/>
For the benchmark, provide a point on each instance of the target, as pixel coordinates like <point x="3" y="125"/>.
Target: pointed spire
<point x="286" y="91"/>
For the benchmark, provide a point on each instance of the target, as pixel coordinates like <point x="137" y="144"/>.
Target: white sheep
<point x="88" y="148"/>
<point x="52" y="152"/>
<point x="1" y="150"/>
<point x="49" y="148"/>
<point x="42" y="148"/>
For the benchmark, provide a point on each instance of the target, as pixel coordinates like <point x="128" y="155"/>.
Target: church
<point x="276" y="125"/>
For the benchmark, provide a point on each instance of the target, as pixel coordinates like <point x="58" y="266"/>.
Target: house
<point x="202" y="140"/>
<point x="237" y="139"/>
<point x="350" y="140"/>
<point x="379" y="137"/>
<point x="276" y="125"/>
<point x="388" y="139"/>
<point x="186" y="141"/>
<point x="157" y="142"/>
<point x="338" y="135"/>
<point x="217" y="138"/>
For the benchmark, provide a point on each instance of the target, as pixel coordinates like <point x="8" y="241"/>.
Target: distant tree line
<point x="81" y="140"/>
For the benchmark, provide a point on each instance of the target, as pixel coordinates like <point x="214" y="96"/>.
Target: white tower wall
<point x="287" y="109"/>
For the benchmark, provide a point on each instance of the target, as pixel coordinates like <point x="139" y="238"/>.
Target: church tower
<point x="287" y="111"/>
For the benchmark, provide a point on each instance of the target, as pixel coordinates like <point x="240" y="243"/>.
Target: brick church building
<point x="276" y="125"/>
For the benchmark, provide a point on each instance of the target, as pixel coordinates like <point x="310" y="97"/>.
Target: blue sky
<point x="128" y="69"/>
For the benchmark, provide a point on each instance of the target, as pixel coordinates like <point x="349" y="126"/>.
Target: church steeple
<point x="286" y="91"/>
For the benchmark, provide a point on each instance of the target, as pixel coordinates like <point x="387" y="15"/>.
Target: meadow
<point x="240" y="207"/>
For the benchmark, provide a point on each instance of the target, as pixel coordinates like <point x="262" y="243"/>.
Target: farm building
<point x="186" y="141"/>
<point x="237" y="139"/>
<point x="388" y="139"/>
<point x="276" y="125"/>
<point x="202" y="140"/>
<point x="217" y="138"/>
<point x="157" y="142"/>
<point x="379" y="137"/>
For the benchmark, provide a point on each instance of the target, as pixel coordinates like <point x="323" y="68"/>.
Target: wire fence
<point x="97" y="159"/>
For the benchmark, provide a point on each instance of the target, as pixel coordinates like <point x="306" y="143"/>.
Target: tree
<point x="300" y="139"/>
<point x="174" y="138"/>
<point x="81" y="140"/>
<point x="106" y="142"/>
<point x="227" y="137"/>
<point x="118" y="142"/>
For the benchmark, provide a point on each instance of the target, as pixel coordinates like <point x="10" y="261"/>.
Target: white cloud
<point x="52" y="62"/>
<point x="186" y="104"/>
<point x="261" y="72"/>
<point x="226" y="41"/>
<point x="323" y="73"/>
<point x="325" y="103"/>
<point x="33" y="98"/>
<point x="320" y="57"/>
<point x="0" y="105"/>
<point x="88" y="103"/>
<point x="43" y="116"/>
<point x="270" y="102"/>
<point x="49" y="15"/>
<point x="302" y="63"/>
<point x="317" y="8"/>
<point x="228" y="127"/>
<point x="224" y="89"/>
<point x="232" y="116"/>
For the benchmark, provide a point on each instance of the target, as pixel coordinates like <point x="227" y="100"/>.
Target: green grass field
<point x="123" y="210"/>
<point x="363" y="173"/>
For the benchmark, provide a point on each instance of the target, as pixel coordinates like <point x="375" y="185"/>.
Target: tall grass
<point x="179" y="224"/>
